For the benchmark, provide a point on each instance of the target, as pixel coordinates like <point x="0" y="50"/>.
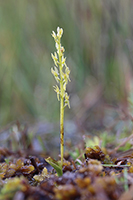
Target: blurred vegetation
<point x="98" y="36"/>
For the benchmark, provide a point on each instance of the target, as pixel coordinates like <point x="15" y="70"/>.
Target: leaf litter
<point x="93" y="173"/>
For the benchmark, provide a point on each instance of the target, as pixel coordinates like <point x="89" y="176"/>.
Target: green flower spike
<point x="61" y="73"/>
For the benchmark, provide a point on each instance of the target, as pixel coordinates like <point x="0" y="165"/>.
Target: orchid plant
<point x="61" y="73"/>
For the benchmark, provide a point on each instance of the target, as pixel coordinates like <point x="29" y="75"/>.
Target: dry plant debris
<point x="98" y="176"/>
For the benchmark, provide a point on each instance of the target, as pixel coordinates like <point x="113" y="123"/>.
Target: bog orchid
<point x="61" y="73"/>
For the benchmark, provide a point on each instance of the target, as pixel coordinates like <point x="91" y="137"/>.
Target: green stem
<point x="61" y="109"/>
<point x="62" y="129"/>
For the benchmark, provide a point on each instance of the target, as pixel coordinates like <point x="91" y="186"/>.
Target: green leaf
<point x="55" y="165"/>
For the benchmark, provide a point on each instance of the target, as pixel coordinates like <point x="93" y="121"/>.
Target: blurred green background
<point x="98" y="41"/>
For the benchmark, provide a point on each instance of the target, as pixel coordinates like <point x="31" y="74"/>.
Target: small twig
<point x="79" y="161"/>
<point x="110" y="165"/>
<point x="73" y="163"/>
<point x="122" y="144"/>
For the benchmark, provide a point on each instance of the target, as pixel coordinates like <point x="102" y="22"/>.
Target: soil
<point x="97" y="174"/>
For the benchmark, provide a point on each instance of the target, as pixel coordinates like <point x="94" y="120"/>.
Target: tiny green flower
<point x="57" y="90"/>
<point x="67" y="72"/>
<point x="67" y="100"/>
<point x="59" y="32"/>
<point x="55" y="58"/>
<point x="55" y="73"/>
<point x="64" y="86"/>
<point x="56" y="45"/>
<point x="54" y="35"/>
<point x="63" y="60"/>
